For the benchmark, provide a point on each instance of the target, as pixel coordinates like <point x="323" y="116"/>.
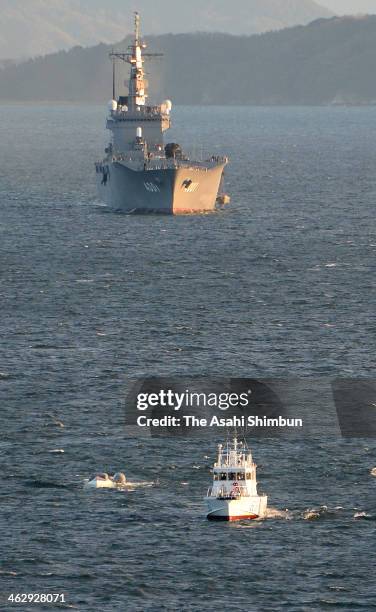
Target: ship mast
<point x="136" y="28"/>
<point x="135" y="57"/>
<point x="113" y="79"/>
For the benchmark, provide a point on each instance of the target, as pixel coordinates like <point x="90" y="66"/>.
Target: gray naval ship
<point x="139" y="174"/>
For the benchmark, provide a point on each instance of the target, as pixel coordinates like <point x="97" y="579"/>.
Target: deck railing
<point x="166" y="164"/>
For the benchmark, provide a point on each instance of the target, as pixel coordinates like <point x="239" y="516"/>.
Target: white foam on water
<point x="360" y="515"/>
<point x="274" y="513"/>
<point x="141" y="484"/>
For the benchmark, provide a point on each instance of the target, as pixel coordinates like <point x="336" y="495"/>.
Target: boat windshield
<point x="220" y="476"/>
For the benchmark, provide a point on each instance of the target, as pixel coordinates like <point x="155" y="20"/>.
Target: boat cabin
<point x="234" y="473"/>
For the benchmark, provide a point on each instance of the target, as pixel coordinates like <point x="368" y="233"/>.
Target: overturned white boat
<point x="233" y="495"/>
<point x="104" y="481"/>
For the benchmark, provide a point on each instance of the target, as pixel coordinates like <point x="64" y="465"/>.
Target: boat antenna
<point x="235" y="438"/>
<point x="113" y="76"/>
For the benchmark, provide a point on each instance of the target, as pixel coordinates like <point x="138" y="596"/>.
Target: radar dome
<point x="166" y="106"/>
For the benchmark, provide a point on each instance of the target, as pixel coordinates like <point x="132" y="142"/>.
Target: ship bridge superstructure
<point x="234" y="472"/>
<point x="131" y="120"/>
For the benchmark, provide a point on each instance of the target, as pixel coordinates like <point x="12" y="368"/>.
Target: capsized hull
<point x="181" y="190"/>
<point x="100" y="483"/>
<point x="249" y="508"/>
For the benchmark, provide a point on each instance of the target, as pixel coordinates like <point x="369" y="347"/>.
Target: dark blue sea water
<point x="282" y="283"/>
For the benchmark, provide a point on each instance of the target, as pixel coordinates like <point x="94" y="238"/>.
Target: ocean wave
<point x="309" y="514"/>
<point x="45" y="484"/>
<point x="274" y="513"/>
<point x="312" y="514"/>
<point x="364" y="516"/>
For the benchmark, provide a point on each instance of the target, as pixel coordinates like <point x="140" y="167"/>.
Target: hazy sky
<point x="350" y="6"/>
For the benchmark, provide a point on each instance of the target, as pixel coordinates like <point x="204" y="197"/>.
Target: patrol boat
<point x="233" y="495"/>
<point x="139" y="174"/>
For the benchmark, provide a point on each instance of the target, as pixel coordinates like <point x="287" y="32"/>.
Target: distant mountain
<point x="327" y="61"/>
<point x="36" y="27"/>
